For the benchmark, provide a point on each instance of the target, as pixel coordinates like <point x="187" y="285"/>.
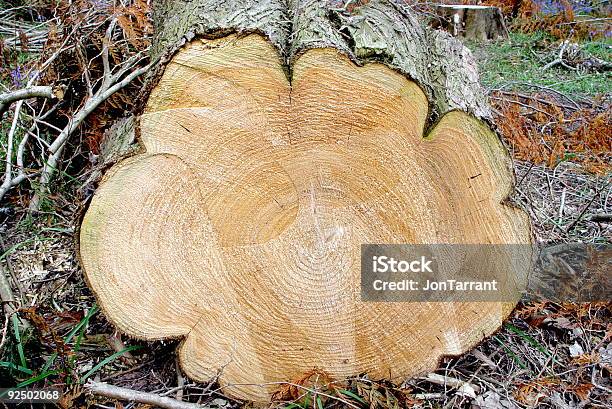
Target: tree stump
<point x="471" y="22"/>
<point x="278" y="138"/>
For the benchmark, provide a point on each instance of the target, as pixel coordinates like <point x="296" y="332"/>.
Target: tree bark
<point x="378" y="31"/>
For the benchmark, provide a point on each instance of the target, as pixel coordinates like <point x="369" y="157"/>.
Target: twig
<point x="46" y="91"/>
<point x="4" y="330"/>
<point x="542" y="87"/>
<point x="180" y="381"/>
<point x="6" y="293"/>
<point x="603" y="217"/>
<point x="523" y="105"/>
<point x="428" y="396"/>
<point x="525" y="175"/>
<point x="571" y="226"/>
<point x="445" y="380"/>
<point x="126" y="371"/>
<point x="535" y="98"/>
<point x="559" y="60"/>
<point x="7" y="183"/>
<point x="116" y="392"/>
<point x="591" y="20"/>
<point x="562" y="205"/>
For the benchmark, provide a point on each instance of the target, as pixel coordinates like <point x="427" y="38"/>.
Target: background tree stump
<point x="471" y="22"/>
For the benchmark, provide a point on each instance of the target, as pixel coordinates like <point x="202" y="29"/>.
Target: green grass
<point x="521" y="58"/>
<point x="21" y="366"/>
<point x="342" y="395"/>
<point x="108" y="360"/>
<point x="528" y="338"/>
<point x="18" y="365"/>
<point x="20" y="350"/>
<point x="511" y="353"/>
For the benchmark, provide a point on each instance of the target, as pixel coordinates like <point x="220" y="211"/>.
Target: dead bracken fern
<point x="541" y="131"/>
<point x="513" y="8"/>
<point x="135" y="22"/>
<point x="561" y="20"/>
<point x="563" y="24"/>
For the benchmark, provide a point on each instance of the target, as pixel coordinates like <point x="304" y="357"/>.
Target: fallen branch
<point x="573" y="57"/>
<point x="110" y="82"/>
<point x="462" y="387"/>
<point x="110" y="85"/>
<point x="8" y="180"/>
<point x="116" y="392"/>
<point x="16" y="33"/>
<point x="113" y="79"/>
<point x="8" y="98"/>
<point x="559" y="60"/>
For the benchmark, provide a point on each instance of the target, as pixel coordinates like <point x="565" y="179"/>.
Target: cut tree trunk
<point x="471" y="22"/>
<point x="278" y="138"/>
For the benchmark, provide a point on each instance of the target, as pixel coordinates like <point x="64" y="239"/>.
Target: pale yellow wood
<point x="240" y="227"/>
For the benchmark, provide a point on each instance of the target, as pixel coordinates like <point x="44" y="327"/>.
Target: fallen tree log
<point x="278" y="138"/>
